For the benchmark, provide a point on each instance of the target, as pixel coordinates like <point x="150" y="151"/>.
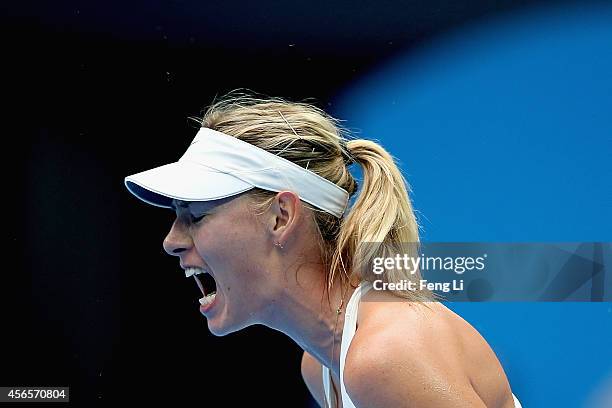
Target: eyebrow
<point x="208" y="206"/>
<point x="174" y="203"/>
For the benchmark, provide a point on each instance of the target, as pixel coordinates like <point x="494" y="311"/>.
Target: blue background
<point x="504" y="131"/>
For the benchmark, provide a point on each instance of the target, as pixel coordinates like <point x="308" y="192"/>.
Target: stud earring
<point x="278" y="244"/>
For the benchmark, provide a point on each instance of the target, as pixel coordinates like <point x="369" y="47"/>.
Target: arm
<point x="312" y="375"/>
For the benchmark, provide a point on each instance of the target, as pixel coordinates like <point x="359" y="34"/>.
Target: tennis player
<point x="264" y="227"/>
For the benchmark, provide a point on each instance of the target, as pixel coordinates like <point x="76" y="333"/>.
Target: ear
<point x="286" y="210"/>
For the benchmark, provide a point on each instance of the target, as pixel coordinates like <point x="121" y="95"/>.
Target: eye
<point x="195" y="220"/>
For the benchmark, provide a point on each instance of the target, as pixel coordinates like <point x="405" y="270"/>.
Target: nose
<point x="177" y="240"/>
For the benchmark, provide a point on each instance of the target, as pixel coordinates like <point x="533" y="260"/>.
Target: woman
<point x="261" y="198"/>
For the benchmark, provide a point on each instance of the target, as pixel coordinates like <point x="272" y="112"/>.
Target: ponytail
<point x="382" y="218"/>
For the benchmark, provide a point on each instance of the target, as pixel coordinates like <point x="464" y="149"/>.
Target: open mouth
<point x="206" y="283"/>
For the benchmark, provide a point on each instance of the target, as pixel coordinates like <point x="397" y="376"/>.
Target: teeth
<point x="193" y="271"/>
<point x="208" y="298"/>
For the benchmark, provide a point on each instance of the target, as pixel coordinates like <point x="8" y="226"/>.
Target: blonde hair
<point x="382" y="215"/>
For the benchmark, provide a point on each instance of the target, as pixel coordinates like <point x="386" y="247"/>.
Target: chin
<point x="219" y="332"/>
<point x="224" y="329"/>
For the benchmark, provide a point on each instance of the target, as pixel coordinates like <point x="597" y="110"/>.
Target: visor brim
<point x="184" y="181"/>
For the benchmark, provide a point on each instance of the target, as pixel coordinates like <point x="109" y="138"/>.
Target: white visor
<point x="217" y="166"/>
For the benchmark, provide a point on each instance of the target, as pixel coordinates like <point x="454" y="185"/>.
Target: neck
<point x="304" y="314"/>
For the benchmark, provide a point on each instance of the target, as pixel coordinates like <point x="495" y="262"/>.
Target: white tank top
<point x="350" y="326"/>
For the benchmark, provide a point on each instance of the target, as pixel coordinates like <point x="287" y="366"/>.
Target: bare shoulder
<point x="414" y="354"/>
<point x="313" y="377"/>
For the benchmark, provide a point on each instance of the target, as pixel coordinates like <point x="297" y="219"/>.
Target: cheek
<point x="228" y="246"/>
